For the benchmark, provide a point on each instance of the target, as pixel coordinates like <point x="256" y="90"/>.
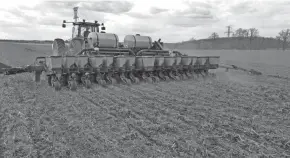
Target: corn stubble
<point x="201" y="118"/>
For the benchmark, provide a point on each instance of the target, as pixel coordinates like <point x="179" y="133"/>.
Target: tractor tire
<point x="75" y="46"/>
<point x="58" y="47"/>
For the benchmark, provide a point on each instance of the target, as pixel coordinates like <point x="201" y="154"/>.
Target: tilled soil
<point x="232" y="115"/>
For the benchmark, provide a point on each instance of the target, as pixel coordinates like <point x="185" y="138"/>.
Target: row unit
<point x="137" y="62"/>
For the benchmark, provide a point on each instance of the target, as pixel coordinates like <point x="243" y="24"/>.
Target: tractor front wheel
<point x="58" y="47"/>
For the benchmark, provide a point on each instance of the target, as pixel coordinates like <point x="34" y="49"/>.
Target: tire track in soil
<point x="140" y="130"/>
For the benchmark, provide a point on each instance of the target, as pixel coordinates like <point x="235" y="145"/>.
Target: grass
<point x="233" y="115"/>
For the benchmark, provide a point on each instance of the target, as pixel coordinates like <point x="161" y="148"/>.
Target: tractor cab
<point x="83" y="28"/>
<point x="80" y="33"/>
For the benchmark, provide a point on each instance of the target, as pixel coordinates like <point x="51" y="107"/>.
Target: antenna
<point x="76" y="13"/>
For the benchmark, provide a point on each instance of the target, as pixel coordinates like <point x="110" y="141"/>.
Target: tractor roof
<point x="86" y="23"/>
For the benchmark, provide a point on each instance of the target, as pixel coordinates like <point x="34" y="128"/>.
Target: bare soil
<point x="232" y="115"/>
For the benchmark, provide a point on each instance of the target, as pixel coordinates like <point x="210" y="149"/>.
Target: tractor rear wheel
<point x="58" y="47"/>
<point x="75" y="46"/>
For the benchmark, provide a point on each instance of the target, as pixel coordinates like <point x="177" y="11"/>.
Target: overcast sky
<point x="171" y="20"/>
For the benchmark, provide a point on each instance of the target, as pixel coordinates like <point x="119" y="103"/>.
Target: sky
<point x="170" y="20"/>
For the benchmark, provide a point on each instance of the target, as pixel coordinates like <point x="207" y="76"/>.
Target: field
<point x="232" y="115"/>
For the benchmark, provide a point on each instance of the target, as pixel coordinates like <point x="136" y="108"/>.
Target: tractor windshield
<point x="83" y="30"/>
<point x="86" y="31"/>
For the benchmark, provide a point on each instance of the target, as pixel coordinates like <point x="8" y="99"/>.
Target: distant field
<point x="18" y="54"/>
<point x="270" y="61"/>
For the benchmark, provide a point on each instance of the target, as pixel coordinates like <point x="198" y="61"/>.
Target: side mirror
<point x="64" y="21"/>
<point x="63" y="25"/>
<point x="103" y="28"/>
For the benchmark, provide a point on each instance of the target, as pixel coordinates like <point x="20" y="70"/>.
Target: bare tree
<point x="253" y="32"/>
<point x="214" y="36"/>
<point x="284" y="36"/>
<point x="238" y="33"/>
<point x="245" y="33"/>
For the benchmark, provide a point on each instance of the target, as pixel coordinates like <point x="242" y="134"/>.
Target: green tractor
<point x="79" y="40"/>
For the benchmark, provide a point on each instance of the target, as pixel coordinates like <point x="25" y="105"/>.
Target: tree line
<point x="283" y="36"/>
